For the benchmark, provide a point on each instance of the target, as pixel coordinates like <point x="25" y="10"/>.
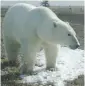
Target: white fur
<point x="27" y="27"/>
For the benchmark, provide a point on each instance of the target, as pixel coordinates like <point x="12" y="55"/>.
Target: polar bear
<point x="27" y="27"/>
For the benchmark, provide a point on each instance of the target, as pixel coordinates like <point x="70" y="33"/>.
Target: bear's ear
<point x="54" y="24"/>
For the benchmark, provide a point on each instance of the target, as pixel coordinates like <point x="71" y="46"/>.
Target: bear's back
<point x="25" y="19"/>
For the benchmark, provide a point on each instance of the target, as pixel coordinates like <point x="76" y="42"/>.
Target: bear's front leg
<point x="29" y="52"/>
<point x="51" y="54"/>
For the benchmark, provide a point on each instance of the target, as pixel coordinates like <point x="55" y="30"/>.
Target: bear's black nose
<point x="77" y="46"/>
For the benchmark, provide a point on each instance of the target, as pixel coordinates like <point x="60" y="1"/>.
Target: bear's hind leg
<point x="51" y="54"/>
<point x="12" y="48"/>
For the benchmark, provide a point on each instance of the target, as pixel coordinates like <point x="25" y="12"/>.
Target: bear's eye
<point x="69" y="34"/>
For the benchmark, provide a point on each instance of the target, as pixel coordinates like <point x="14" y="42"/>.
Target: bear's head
<point x="64" y="34"/>
<point x="58" y="32"/>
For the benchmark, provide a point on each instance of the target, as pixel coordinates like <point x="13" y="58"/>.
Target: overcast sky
<point x="37" y="2"/>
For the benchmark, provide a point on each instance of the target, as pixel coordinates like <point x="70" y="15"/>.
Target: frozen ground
<point x="69" y="71"/>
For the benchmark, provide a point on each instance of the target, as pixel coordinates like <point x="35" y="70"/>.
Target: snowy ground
<point x="70" y="64"/>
